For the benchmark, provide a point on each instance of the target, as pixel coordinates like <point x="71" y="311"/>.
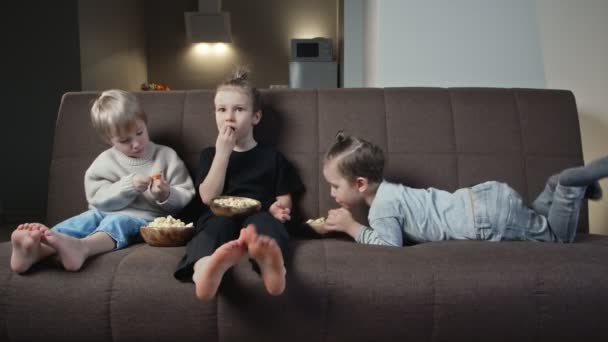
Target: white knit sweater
<point x="108" y="182"/>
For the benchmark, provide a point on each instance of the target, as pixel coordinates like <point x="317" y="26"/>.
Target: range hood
<point x="209" y="24"/>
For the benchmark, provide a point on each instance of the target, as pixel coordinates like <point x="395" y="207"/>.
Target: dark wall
<point x="41" y="52"/>
<point x="261" y="33"/>
<point x="112" y="44"/>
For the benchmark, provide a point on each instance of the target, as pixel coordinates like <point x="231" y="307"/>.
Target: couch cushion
<point x="336" y="291"/>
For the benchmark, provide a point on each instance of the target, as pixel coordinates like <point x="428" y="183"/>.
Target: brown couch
<point x="337" y="290"/>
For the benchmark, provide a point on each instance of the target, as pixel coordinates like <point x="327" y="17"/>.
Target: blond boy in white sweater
<point x="127" y="186"/>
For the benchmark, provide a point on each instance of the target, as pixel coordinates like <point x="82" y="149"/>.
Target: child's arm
<point x="341" y="220"/>
<point x="176" y="191"/>
<point x="108" y="188"/>
<point x="386" y="232"/>
<point x="160" y="189"/>
<point x="281" y="208"/>
<point x="213" y="184"/>
<point x="109" y="195"/>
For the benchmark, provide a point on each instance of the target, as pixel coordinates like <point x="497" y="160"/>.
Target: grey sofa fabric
<point x="337" y="290"/>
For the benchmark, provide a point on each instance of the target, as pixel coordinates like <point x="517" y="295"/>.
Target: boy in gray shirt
<point x="126" y="186"/>
<point x="488" y="211"/>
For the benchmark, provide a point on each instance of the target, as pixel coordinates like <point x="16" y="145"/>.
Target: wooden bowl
<point x="317" y="226"/>
<point x="222" y="209"/>
<point x="167" y="237"/>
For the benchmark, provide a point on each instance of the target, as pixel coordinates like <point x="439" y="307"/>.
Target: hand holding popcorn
<point x="159" y="188"/>
<point x="141" y="183"/>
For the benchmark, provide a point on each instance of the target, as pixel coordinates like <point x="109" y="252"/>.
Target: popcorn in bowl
<point x="167" y="222"/>
<point x="235" y="202"/>
<point x="228" y="206"/>
<point x="318" y="225"/>
<point x="167" y="232"/>
<point x="320" y="220"/>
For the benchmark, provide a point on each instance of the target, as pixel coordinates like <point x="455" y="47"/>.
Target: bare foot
<point x="72" y="252"/>
<point x="268" y="255"/>
<point x="248" y="234"/>
<point x="27" y="246"/>
<point x="209" y="270"/>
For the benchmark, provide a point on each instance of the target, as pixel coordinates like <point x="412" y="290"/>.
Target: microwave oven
<point x="311" y="50"/>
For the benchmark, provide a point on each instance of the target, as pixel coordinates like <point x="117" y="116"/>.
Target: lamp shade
<point x="208" y="27"/>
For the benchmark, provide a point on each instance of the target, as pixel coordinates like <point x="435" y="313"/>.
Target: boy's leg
<point x="123" y="229"/>
<point x="564" y="211"/>
<point x="81" y="225"/>
<point x="30" y="245"/>
<point x="543" y="202"/>
<point x="515" y="221"/>
<point x="27" y="246"/>
<point x="73" y="252"/>
<point x="584" y="176"/>
<point x="113" y="232"/>
<point x="268" y="245"/>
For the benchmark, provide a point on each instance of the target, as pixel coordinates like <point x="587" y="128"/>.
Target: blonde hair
<point x="115" y="112"/>
<point x="239" y="78"/>
<point x="357" y="157"/>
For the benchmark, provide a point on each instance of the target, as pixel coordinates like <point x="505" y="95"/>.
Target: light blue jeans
<point x="501" y="215"/>
<point x="123" y="229"/>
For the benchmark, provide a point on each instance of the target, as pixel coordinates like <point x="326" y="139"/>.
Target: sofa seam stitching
<point x="324" y="321"/>
<point x="456" y="151"/>
<point x="318" y="154"/>
<point x="385" y="111"/>
<point x="433" y="326"/>
<point x="524" y="156"/>
<point x="181" y="123"/>
<point x="538" y="310"/>
<point x="112" y="290"/>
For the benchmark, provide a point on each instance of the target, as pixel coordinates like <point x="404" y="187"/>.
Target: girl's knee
<point x="262" y="219"/>
<point x="218" y="225"/>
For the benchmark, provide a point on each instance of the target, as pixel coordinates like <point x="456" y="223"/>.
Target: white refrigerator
<point x="313" y="74"/>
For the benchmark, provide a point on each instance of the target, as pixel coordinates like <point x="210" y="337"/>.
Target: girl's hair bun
<point x="240" y="74"/>
<point x="340" y="136"/>
<point x="239" y="78"/>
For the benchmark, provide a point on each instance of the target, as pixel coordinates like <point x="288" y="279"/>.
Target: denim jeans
<point x="501" y="215"/>
<point x="123" y="229"/>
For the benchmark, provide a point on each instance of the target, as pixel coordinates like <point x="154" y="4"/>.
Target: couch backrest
<point x="433" y="137"/>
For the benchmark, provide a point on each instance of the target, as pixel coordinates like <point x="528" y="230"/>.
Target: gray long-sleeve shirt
<point x="109" y="186"/>
<point x="399" y="213"/>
